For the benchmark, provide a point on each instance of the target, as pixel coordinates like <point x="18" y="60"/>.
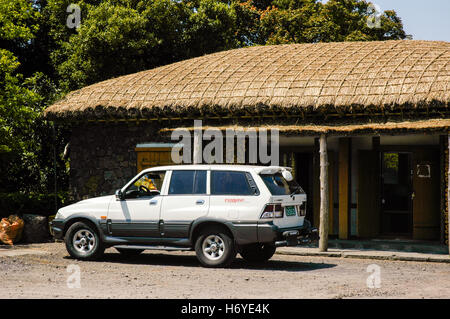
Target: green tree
<point x="211" y="27"/>
<point x="292" y="21"/>
<point x="346" y="20"/>
<point x="24" y="136"/>
<point x="17" y="105"/>
<point x="121" y="37"/>
<point x="17" y="102"/>
<point x="297" y="21"/>
<point x="112" y="40"/>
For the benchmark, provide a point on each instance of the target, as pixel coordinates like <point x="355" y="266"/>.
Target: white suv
<point x="218" y="210"/>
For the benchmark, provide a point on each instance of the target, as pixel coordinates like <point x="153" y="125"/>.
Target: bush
<point x="32" y="203"/>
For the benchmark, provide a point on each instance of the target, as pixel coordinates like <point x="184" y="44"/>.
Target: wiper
<point x="297" y="187"/>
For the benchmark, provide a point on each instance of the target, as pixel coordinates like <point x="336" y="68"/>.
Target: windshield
<point x="277" y="185"/>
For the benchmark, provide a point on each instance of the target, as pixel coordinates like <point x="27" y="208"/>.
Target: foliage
<point x="121" y="37"/>
<point x="25" y="138"/>
<point x="17" y="21"/>
<point x="296" y="21"/>
<point x="18" y="203"/>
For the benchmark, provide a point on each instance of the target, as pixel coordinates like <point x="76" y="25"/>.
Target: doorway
<point x="396" y="194"/>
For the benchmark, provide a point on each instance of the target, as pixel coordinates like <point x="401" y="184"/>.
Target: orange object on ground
<point x="11" y="229"/>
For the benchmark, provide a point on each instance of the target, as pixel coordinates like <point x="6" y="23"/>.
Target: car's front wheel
<point x="257" y="252"/>
<point x="83" y="242"/>
<point x="215" y="248"/>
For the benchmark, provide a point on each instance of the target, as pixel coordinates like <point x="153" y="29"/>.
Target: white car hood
<point x="95" y="207"/>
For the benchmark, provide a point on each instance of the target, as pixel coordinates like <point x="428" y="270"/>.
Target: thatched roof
<point x="295" y="78"/>
<point x="389" y="127"/>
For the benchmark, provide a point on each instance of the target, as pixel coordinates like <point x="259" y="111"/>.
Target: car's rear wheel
<point x="257" y="252"/>
<point x="129" y="252"/>
<point x="83" y="242"/>
<point x="215" y="247"/>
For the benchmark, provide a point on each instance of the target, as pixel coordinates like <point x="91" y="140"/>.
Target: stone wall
<point x="103" y="157"/>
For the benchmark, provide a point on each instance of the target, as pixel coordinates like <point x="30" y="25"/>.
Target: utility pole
<point x="324" y="190"/>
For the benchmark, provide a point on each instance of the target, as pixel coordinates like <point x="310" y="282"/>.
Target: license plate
<point x="290" y="211"/>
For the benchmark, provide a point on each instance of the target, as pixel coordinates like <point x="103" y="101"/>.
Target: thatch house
<point x="383" y="107"/>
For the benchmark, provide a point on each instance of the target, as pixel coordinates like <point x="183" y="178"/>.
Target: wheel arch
<point x="201" y="224"/>
<point x="82" y="218"/>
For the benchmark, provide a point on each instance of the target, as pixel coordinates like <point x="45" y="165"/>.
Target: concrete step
<point x="388" y="245"/>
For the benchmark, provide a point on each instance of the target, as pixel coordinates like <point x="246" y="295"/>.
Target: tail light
<point x="272" y="211"/>
<point x="301" y="210"/>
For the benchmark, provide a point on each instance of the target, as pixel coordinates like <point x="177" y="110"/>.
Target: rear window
<point x="232" y="183"/>
<point x="277" y="185"/>
<point x="187" y="182"/>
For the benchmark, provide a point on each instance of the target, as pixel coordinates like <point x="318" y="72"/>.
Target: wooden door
<point x="153" y="156"/>
<point x="426" y="191"/>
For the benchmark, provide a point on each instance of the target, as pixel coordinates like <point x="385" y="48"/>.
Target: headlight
<point x="58" y="215"/>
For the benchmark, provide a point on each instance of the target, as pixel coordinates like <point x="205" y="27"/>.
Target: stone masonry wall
<point x="103" y="157"/>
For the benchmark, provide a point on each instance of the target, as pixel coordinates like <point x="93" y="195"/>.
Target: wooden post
<point x="197" y="149"/>
<point x="330" y="170"/>
<point x="324" y="195"/>
<point x="344" y="187"/>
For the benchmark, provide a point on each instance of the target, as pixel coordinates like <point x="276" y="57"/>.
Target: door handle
<point x="200" y="202"/>
<point x="153" y="202"/>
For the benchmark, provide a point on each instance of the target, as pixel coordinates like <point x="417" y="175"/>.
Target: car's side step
<point x="170" y="248"/>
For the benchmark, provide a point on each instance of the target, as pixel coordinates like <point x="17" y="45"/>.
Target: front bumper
<point x="57" y="226"/>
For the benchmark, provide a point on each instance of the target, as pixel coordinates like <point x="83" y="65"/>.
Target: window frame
<point x="138" y="177"/>
<point x="191" y="194"/>
<point x="289" y="186"/>
<point x="245" y="173"/>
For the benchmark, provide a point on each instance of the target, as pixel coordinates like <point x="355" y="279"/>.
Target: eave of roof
<point x="428" y="125"/>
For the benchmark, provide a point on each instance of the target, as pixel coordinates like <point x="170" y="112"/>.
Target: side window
<point x="231" y="183"/>
<point x="146" y="185"/>
<point x="187" y="182"/>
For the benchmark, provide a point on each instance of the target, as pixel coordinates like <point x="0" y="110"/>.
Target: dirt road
<point x="44" y="271"/>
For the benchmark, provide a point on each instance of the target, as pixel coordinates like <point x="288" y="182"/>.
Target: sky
<point x="423" y="19"/>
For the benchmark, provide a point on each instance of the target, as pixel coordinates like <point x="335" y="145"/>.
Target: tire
<point x="257" y="253"/>
<point x="83" y="242"/>
<point x="129" y="252"/>
<point x="215" y="248"/>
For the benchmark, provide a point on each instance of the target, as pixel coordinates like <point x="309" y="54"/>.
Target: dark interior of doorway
<point x="304" y="176"/>
<point x="396" y="192"/>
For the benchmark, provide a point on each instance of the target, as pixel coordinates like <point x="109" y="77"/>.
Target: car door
<point x="186" y="200"/>
<point x="137" y="215"/>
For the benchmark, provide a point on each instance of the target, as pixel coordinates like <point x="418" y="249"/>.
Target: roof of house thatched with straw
<point x="292" y="79"/>
<point x="430" y="125"/>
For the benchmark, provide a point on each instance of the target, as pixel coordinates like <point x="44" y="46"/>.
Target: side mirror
<point x="287" y="175"/>
<point x="119" y="195"/>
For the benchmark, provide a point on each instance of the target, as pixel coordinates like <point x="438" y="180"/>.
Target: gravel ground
<point x="155" y="274"/>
